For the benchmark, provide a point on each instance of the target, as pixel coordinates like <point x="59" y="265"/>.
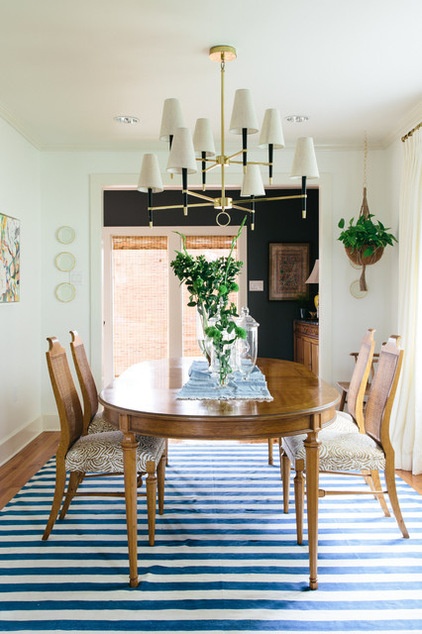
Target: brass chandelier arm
<point x="240" y="208"/>
<point x="229" y="159"/>
<point x="191" y="206"/>
<point x="263" y="163"/>
<point x="164" y="208"/>
<point x="235" y="205"/>
<point x="270" y="198"/>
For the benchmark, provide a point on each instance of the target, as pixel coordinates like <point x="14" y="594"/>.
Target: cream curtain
<point x="407" y="417"/>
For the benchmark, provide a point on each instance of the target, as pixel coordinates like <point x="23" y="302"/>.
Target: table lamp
<point x="314" y="279"/>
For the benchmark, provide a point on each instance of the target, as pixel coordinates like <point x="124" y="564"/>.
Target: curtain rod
<point x="409" y="134"/>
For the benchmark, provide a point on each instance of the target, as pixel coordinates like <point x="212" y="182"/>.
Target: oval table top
<point x="147" y="392"/>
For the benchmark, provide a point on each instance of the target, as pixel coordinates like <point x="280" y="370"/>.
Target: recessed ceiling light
<point x="297" y="118"/>
<point x="126" y="119"/>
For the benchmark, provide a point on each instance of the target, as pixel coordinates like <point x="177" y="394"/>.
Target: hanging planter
<point x="365" y="239"/>
<point x="358" y="257"/>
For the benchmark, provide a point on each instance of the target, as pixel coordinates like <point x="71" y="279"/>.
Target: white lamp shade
<point x="314" y="276"/>
<point x="150" y="176"/>
<point x="304" y="162"/>
<point x="271" y="132"/>
<point x="171" y="119"/>
<point x="203" y="140"/>
<point x="243" y="115"/>
<point x="182" y="154"/>
<point x="252" y="182"/>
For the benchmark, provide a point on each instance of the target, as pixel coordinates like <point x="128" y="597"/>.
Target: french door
<point x="145" y="312"/>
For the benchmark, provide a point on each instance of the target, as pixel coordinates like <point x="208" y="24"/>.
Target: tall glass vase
<point x="223" y="354"/>
<point x="201" y="325"/>
<point x="223" y="360"/>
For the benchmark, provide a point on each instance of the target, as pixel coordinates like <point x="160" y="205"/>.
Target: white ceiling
<point x="67" y="67"/>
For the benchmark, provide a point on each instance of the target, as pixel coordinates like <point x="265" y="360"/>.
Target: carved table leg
<point x="129" y="445"/>
<point x="312" y="486"/>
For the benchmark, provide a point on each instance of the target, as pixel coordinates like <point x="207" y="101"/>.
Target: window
<point x="140" y="306"/>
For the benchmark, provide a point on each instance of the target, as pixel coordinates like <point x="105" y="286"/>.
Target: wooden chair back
<point x="65" y="394"/>
<point x="356" y="393"/>
<point x="382" y="392"/>
<point x="86" y="380"/>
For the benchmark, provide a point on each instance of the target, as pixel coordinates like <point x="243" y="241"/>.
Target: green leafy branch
<point x="209" y="283"/>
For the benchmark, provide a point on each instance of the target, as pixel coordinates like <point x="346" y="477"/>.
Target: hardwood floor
<point x="415" y="481"/>
<point x="17" y="471"/>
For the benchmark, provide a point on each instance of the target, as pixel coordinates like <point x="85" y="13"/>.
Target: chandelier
<point x="186" y="152"/>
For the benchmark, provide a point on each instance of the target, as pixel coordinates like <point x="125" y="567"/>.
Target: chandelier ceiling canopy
<point x="187" y="152"/>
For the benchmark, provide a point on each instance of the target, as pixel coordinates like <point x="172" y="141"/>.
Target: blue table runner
<point x="202" y="385"/>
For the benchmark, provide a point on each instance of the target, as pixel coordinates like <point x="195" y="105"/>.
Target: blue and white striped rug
<point x="225" y="560"/>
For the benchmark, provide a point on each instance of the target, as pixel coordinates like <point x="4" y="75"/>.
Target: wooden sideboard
<point x="306" y="343"/>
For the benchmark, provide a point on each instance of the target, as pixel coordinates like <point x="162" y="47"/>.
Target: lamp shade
<point x="314" y="276"/>
<point x="271" y="132"/>
<point x="243" y="115"/>
<point x="182" y="154"/>
<point x="304" y="162"/>
<point x="252" y="182"/>
<point x="203" y="140"/>
<point x="171" y="119"/>
<point x="150" y="176"/>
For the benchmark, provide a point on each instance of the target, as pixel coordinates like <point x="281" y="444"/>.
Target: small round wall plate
<point x="355" y="290"/>
<point x="65" y="261"/>
<point x="65" y="235"/>
<point x="65" y="292"/>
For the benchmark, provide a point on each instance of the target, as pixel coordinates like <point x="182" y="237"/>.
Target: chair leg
<point x="285" y="477"/>
<point x="151" y="487"/>
<point x="270" y="451"/>
<point x="74" y="481"/>
<point x="58" y="496"/>
<point x="394" y="501"/>
<point x="299" y="487"/>
<point x="374" y="483"/>
<point x="161" y="477"/>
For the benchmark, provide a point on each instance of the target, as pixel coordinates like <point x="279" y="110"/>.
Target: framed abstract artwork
<point x="288" y="270"/>
<point x="9" y="259"/>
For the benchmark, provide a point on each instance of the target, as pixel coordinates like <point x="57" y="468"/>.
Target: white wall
<point x="20" y="322"/>
<point x="64" y="180"/>
<point x="351" y="316"/>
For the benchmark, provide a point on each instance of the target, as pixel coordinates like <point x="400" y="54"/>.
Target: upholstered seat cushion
<point x="103" y="452"/>
<point x="99" y="424"/>
<point x="342" y="447"/>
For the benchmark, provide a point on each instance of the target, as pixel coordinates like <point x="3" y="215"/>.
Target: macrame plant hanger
<point x="357" y="256"/>
<point x="364" y="210"/>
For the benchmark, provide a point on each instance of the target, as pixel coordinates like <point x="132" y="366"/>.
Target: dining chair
<point x="93" y="420"/>
<point x="344" y="386"/>
<point x="352" y="419"/>
<point x="97" y="454"/>
<point x="346" y="449"/>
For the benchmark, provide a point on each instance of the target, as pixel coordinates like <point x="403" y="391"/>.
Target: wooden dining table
<point x="144" y="400"/>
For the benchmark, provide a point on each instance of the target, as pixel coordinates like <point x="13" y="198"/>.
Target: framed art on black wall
<point x="288" y="270"/>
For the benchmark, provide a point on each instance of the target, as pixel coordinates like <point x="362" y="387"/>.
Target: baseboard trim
<point x="50" y="423"/>
<point x="11" y="445"/>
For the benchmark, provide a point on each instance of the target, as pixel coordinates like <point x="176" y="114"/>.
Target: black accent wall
<point x="278" y="221"/>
